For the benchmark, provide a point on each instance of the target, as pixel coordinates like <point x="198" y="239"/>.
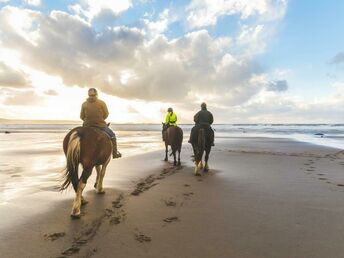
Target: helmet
<point x="92" y="92"/>
<point x="169" y="109"/>
<point x="203" y="105"/>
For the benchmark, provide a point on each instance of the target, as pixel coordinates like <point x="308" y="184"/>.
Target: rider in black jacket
<point x="203" y="119"/>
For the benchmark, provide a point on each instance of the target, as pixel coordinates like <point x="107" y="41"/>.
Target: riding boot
<point x="115" y="154"/>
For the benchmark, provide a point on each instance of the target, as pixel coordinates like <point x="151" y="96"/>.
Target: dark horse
<point x="173" y="136"/>
<point x="91" y="148"/>
<point x="203" y="145"/>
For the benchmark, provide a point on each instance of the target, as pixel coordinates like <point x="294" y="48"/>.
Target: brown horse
<point x="91" y="148"/>
<point x="203" y="145"/>
<point x="173" y="137"/>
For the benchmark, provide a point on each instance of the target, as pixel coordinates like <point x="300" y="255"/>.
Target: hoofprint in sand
<point x="262" y="198"/>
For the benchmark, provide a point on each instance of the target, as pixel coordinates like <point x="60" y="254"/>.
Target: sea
<point x="31" y="156"/>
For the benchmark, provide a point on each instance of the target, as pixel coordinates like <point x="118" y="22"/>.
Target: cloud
<point x="93" y="9"/>
<point x="338" y="58"/>
<point x="10" y="77"/>
<point x="277" y="85"/>
<point x="33" y="2"/>
<point x="203" y="13"/>
<point x="51" y="92"/>
<point x="125" y="62"/>
<point x="21" y="98"/>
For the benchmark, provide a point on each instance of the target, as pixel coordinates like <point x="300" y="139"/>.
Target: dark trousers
<point x="109" y="132"/>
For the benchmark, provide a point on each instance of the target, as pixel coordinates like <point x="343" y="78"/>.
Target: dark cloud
<point x="10" y="77"/>
<point x="338" y="58"/>
<point x="278" y="85"/>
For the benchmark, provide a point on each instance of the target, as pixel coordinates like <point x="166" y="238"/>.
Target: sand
<point x="262" y="198"/>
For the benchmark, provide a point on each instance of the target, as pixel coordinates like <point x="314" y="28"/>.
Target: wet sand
<point x="262" y="198"/>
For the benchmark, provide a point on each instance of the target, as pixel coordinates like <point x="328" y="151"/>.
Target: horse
<point x="90" y="147"/>
<point x="203" y="145"/>
<point x="173" y="136"/>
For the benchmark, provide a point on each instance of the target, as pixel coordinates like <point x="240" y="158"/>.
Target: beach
<point x="263" y="197"/>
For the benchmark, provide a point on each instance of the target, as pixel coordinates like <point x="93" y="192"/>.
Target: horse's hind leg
<point x="206" y="166"/>
<point x="99" y="188"/>
<point x="179" y="157"/>
<point x="98" y="168"/>
<point x="166" y="151"/>
<point x="78" y="197"/>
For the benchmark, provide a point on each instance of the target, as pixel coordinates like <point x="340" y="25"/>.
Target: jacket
<point x="94" y="112"/>
<point x="171" y="119"/>
<point x="204" y="117"/>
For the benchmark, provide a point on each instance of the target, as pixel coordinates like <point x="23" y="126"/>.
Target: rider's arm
<point x="167" y="119"/>
<point x="196" y="118"/>
<point x="105" y="111"/>
<point x="211" y="118"/>
<point x="82" y="113"/>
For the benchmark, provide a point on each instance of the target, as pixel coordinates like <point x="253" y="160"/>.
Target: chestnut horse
<point x="173" y="137"/>
<point x="202" y="145"/>
<point x="91" y="148"/>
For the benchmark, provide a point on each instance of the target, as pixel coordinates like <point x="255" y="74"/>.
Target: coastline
<point x="262" y="198"/>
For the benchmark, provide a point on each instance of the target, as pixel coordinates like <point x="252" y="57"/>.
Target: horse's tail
<point x="73" y="160"/>
<point x="201" y="142"/>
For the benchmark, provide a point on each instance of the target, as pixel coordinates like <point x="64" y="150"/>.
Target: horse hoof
<point x="83" y="201"/>
<point x="75" y="214"/>
<point x="179" y="164"/>
<point x="101" y="192"/>
<point x="95" y="185"/>
<point x="175" y="164"/>
<point x="165" y="159"/>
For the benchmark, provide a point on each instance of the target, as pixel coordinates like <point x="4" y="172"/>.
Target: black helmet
<point x="204" y="105"/>
<point x="169" y="109"/>
<point x="92" y="92"/>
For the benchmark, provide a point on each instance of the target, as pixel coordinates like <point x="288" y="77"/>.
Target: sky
<point x="251" y="61"/>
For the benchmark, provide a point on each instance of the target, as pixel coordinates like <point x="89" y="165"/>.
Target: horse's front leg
<point x="78" y="196"/>
<point x="179" y="157"/>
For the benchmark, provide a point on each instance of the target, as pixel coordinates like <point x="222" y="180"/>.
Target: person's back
<point x="94" y="112"/>
<point x="204" y="117"/>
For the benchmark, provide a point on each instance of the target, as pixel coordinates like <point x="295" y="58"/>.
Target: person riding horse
<point x="203" y="119"/>
<point x="170" y="120"/>
<point x="94" y="112"/>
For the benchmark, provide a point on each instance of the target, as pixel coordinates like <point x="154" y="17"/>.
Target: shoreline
<point x="262" y="198"/>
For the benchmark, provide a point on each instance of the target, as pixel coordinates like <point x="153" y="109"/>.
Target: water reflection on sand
<point x="32" y="161"/>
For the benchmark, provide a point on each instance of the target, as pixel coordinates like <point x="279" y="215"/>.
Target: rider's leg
<point x="115" y="152"/>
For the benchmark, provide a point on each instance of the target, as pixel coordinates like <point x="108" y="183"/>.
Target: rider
<point x="94" y="112"/>
<point x="204" y="119"/>
<point x="170" y="120"/>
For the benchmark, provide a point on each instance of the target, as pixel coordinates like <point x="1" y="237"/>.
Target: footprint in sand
<point x="340" y="185"/>
<point x="170" y="203"/>
<point x="171" y="219"/>
<point x="310" y="170"/>
<point x="142" y="238"/>
<point x="322" y="178"/>
<point x="54" y="236"/>
<point x="71" y="251"/>
<point x="320" y="174"/>
<point x="188" y="194"/>
<point x="186" y="185"/>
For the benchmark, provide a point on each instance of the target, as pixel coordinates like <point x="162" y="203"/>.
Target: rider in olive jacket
<point x="203" y="119"/>
<point x="94" y="112"/>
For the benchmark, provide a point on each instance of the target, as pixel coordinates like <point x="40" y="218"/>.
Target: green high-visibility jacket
<point x="171" y="119"/>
